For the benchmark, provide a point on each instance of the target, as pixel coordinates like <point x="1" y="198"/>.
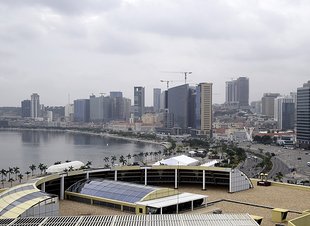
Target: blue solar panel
<point x="120" y="191"/>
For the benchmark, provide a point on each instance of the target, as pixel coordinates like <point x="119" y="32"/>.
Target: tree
<point x="279" y="176"/>
<point x="3" y="173"/>
<point x="2" y="182"/>
<point x="88" y="164"/>
<point x="40" y="166"/>
<point x="27" y="173"/>
<point x="16" y="171"/>
<point x="11" y="180"/>
<point x="20" y="177"/>
<point x="71" y="168"/>
<point x="113" y="159"/>
<point x="106" y="159"/>
<point x="122" y="160"/>
<point x="57" y="163"/>
<point x="106" y="166"/>
<point x="44" y="168"/>
<point x="32" y="168"/>
<point x="128" y="157"/>
<point x="10" y="171"/>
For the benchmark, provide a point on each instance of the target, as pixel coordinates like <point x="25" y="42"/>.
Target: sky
<point x="68" y="49"/>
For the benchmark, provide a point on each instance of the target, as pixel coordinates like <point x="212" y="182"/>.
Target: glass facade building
<point x="303" y="116"/>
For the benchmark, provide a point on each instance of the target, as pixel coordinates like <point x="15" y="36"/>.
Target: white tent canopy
<point x="181" y="160"/>
<point x="61" y="167"/>
<point x="211" y="163"/>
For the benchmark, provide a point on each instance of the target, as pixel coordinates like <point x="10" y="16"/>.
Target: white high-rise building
<point x="35" y="105"/>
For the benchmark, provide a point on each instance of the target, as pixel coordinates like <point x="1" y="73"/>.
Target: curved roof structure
<point x="114" y="190"/>
<point x="181" y="160"/>
<point x="15" y="201"/>
<point x="61" y="167"/>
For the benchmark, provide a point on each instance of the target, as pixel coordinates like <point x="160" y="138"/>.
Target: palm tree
<point x="88" y="164"/>
<point x="2" y="182"/>
<point x="32" y="168"/>
<point x="128" y="157"/>
<point x="146" y="154"/>
<point x="20" y="177"/>
<point x="11" y="180"/>
<point x="106" y="159"/>
<point x="27" y="173"/>
<point x="122" y="160"/>
<point x="40" y="166"/>
<point x="107" y="166"/>
<point x="10" y="171"/>
<point x="113" y="159"/>
<point x="44" y="168"/>
<point x="71" y="168"/>
<point x="16" y="171"/>
<point x="3" y="173"/>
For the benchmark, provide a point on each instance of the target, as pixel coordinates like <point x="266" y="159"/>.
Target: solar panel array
<point x="120" y="191"/>
<point x="139" y="220"/>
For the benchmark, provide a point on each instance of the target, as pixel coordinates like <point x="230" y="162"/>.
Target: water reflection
<point x="23" y="148"/>
<point x="31" y="137"/>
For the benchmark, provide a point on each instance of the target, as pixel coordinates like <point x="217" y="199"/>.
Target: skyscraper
<point x="204" y="109"/>
<point x="156" y="99"/>
<point x="26" y="108"/>
<point x="178" y="100"/>
<point x="268" y="103"/>
<point x="139" y="101"/>
<point x="243" y="91"/>
<point x="35" y="105"/>
<point x="303" y="116"/>
<point x="284" y="112"/>
<point x="237" y="92"/>
<point x="81" y="110"/>
<point x="114" y="94"/>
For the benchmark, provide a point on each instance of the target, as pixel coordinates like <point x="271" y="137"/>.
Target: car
<point x="308" y="163"/>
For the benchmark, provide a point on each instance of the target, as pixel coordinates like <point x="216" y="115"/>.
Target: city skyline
<point x="92" y="46"/>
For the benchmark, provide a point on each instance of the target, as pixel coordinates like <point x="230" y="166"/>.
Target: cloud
<point x="80" y="47"/>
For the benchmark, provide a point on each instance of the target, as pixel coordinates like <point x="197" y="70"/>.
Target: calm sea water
<point x="23" y="148"/>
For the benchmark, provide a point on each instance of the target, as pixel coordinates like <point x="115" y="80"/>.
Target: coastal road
<point x="278" y="166"/>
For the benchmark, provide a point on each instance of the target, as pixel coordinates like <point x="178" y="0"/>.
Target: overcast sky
<point x="80" y="47"/>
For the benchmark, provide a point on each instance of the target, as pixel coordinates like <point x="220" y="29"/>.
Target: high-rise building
<point x="243" y="91"/>
<point x="139" y="101"/>
<point x="203" y="112"/>
<point x="69" y="112"/>
<point x="303" y="116"/>
<point x="178" y="102"/>
<point x="268" y="103"/>
<point x="35" y="105"/>
<point x="100" y="108"/>
<point x="26" y="108"/>
<point x="237" y="92"/>
<point x="256" y="107"/>
<point x="81" y="110"/>
<point x="156" y="99"/>
<point x="284" y="112"/>
<point x="164" y="100"/>
<point x="114" y="94"/>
